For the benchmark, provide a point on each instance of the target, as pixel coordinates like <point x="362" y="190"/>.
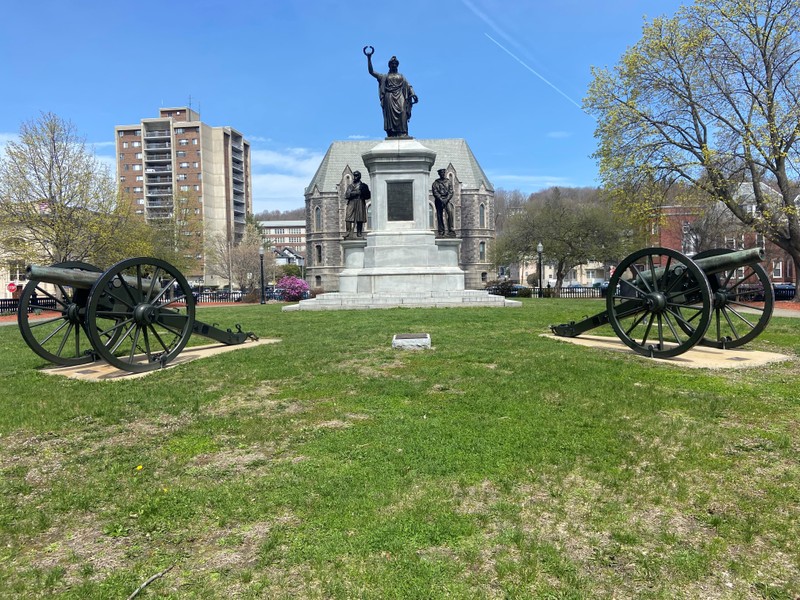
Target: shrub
<point x="293" y="288"/>
<point x="291" y="270"/>
<point x="524" y="292"/>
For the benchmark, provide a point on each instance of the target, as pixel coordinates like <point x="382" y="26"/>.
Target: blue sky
<point x="508" y="76"/>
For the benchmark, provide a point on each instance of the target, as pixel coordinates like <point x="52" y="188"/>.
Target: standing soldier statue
<point x="356" y="194"/>
<point x="442" y="194"/>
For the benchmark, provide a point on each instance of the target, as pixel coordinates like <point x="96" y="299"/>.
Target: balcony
<point x="151" y="157"/>
<point x="159" y="204"/>
<point x="158" y="146"/>
<point x="151" y="179"/>
<point x="156" y="133"/>
<point x="159" y="169"/>
<point x="167" y="191"/>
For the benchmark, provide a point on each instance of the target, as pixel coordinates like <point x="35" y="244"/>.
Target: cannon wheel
<point x="730" y="326"/>
<point x="659" y="302"/>
<point x="151" y="305"/>
<point x="62" y="339"/>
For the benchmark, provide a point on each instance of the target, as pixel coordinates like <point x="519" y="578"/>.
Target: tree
<point x="295" y="214"/>
<point x="711" y="98"/>
<point x="574" y="225"/>
<point x="177" y="237"/>
<point x="291" y="270"/>
<point x="239" y="263"/>
<point x="57" y="201"/>
<point x="506" y="203"/>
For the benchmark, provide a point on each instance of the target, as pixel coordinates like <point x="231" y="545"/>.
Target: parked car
<point x="784" y="291"/>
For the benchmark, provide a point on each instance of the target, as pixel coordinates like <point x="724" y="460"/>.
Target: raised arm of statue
<point x="369" y="54"/>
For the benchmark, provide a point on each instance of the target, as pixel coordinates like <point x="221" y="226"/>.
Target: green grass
<point x="498" y="464"/>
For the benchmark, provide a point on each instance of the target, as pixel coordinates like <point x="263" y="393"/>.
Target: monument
<point x="399" y="261"/>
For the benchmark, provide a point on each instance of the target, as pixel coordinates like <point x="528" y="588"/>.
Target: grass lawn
<point x="499" y="464"/>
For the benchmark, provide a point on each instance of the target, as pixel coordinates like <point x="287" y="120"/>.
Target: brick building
<point x="285" y="234"/>
<point x="174" y="166"/>
<point x="690" y="229"/>
<point x="473" y="207"/>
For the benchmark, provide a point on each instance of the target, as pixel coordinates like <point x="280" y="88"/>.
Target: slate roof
<point x="343" y="153"/>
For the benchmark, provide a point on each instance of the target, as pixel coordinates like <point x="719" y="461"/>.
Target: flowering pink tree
<point x="293" y="288"/>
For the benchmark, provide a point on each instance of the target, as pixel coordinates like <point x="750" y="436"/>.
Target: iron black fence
<point x="10" y="305"/>
<point x="567" y="292"/>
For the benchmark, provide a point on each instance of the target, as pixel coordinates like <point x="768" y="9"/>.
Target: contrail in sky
<point x="512" y="55"/>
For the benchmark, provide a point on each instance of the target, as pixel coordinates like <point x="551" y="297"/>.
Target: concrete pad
<point x="699" y="357"/>
<point x="411" y="341"/>
<point x="101" y="371"/>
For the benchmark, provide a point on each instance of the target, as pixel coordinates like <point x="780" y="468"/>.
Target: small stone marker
<point x="411" y="341"/>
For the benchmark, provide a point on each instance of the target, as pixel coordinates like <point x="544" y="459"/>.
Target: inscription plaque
<point x="400" y="200"/>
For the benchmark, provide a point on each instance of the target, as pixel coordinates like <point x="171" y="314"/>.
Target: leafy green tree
<point x="574" y="225"/>
<point x="57" y="201"/>
<point x="709" y="98"/>
<point x="291" y="270"/>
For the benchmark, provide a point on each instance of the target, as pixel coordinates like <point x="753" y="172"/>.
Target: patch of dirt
<point x="477" y="499"/>
<point x="73" y="547"/>
<point x="377" y="366"/>
<point x="256" y="400"/>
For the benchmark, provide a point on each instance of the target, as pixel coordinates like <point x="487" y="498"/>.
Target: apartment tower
<point x="177" y="167"/>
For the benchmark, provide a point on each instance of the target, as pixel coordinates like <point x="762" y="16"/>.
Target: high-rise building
<point x="176" y="167"/>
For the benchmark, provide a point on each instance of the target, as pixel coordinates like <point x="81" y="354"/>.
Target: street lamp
<point x="261" y="257"/>
<point x="539" y="250"/>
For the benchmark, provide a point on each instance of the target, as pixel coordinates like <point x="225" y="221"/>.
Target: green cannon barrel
<point x="730" y="261"/>
<point x="72" y="277"/>
<point x="714" y="264"/>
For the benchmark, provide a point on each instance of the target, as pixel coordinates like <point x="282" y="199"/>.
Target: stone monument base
<point x="356" y="301"/>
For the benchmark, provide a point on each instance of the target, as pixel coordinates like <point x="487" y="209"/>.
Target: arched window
<point x="318" y="281"/>
<point x="482" y="216"/>
<point x="482" y="251"/>
<point x="318" y="219"/>
<point x="318" y="254"/>
<point x="484" y="277"/>
<point x="369" y="215"/>
<point x="431" y="221"/>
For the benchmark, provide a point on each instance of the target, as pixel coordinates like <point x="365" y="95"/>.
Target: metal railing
<point x="11" y="305"/>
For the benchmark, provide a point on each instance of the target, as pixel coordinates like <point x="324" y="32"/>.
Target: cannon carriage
<point x="137" y="316"/>
<point x="661" y="303"/>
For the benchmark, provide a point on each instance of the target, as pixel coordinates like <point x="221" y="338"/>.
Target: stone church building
<point x="473" y="209"/>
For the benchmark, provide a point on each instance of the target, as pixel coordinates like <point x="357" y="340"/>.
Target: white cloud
<point x="558" y="135"/>
<point x="357" y="137"/>
<point x="281" y="176"/>
<point x="528" y="183"/>
<point x="107" y="161"/>
<point x="7" y="137"/>
<point x="111" y="144"/>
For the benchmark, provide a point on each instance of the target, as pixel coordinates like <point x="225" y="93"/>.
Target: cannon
<point x="137" y="316"/>
<point x="661" y="303"/>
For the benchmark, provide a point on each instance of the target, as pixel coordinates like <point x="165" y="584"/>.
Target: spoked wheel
<point x="61" y="339"/>
<point x="149" y="303"/>
<point x="737" y="316"/>
<point x="659" y="302"/>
